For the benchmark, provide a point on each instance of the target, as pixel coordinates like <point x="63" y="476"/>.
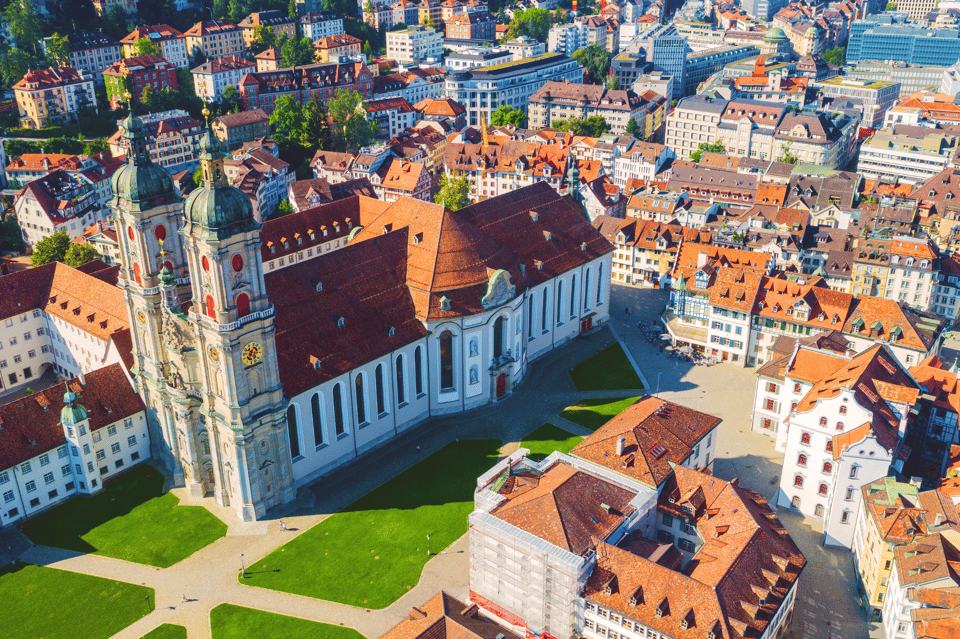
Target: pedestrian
<point x="418" y="450"/>
<point x="183" y="598"/>
<point x="283" y="526"/>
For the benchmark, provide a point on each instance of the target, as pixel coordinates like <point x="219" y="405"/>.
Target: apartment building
<point x="261" y="90"/>
<point x="52" y="96"/>
<point x="565" y="100"/>
<point x="922" y="594"/>
<point x="215" y="39"/>
<point x="92" y="53"/>
<point x="236" y="129"/>
<point x="392" y="115"/>
<point x="171" y="43"/>
<point x="173" y="139"/>
<point x="414" y="45"/>
<point x="211" y="78"/>
<point x="567" y="38"/>
<point x="471" y="26"/>
<point x="693" y="122"/>
<point x="279" y="22"/>
<point x="98" y="169"/>
<point x="138" y="73"/>
<point x="321" y="24"/>
<point x="262" y="177"/>
<point x="332" y="48"/>
<point x="903" y="269"/>
<point x="57" y="202"/>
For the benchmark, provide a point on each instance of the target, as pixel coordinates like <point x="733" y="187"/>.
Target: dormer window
<point x="340" y="322"/>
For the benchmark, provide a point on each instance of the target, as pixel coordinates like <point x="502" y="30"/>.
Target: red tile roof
<point x="444" y="617"/>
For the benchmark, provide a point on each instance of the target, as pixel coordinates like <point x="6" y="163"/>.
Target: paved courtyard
<point x="209" y="577"/>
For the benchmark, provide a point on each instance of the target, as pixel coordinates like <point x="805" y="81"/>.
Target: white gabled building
<point x="59" y="201"/>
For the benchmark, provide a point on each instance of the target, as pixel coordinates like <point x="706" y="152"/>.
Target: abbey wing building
<point x="257" y="384"/>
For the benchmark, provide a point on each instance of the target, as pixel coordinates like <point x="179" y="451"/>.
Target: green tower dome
<point x="217" y="207"/>
<point x="812" y="31"/>
<point x="775" y="34"/>
<point x="140" y="181"/>
<point x="71" y="414"/>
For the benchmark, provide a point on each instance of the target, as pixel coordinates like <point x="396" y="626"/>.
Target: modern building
<point x="524" y="47"/>
<point x="236" y="129"/>
<point x="138" y="74"/>
<point x="57" y="202"/>
<point x="763" y="10"/>
<point x="565" y="100"/>
<point x="414" y="45"/>
<point x="92" y="53"/>
<point x="667" y="50"/>
<point x="875" y="96"/>
<point x="321" y="24"/>
<point x="700" y="65"/>
<point x="906" y="154"/>
<point x="693" y="122"/>
<point x="277" y="21"/>
<point x="910" y="77"/>
<point x="261" y="90"/>
<point x="482" y="91"/>
<point x="52" y="96"/>
<point x="215" y="39"/>
<point x="891" y="36"/>
<point x="567" y="38"/>
<point x="211" y="78"/>
<point x="627" y="66"/>
<point x="477" y="57"/>
<point x="171" y="43"/>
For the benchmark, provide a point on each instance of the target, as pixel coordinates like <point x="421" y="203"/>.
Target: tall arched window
<point x="531" y="305"/>
<point x="236" y="262"/>
<point x="360" y="399"/>
<point x="136" y="273"/>
<point x="317" y="414"/>
<point x="211" y="310"/>
<point x="573" y="295"/>
<point x="546" y="309"/>
<point x="293" y="431"/>
<point x="600" y="283"/>
<point x="559" y="302"/>
<point x="160" y="232"/>
<point x="498" y="328"/>
<point x="243" y="305"/>
<point x="338" y="418"/>
<point x="586" y="290"/>
<point x="401" y="387"/>
<point x="446" y="360"/>
<point x="418" y="369"/>
<point x="381" y="394"/>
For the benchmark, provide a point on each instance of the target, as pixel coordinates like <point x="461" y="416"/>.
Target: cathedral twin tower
<point x="202" y="329"/>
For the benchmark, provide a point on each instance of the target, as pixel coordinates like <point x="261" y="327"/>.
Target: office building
<point x="891" y="36"/>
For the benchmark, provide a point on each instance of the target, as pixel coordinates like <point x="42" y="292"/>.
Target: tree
<point x="52" y="248"/>
<point x="95" y="147"/>
<point x="613" y="83"/>
<point x="287" y="121"/>
<point x="199" y="57"/>
<point x="715" y="147"/>
<point x="11" y="237"/>
<point x="367" y="50"/>
<point x="24" y="24"/>
<point x="316" y="127"/>
<point x="15" y="148"/>
<point x="263" y="38"/>
<point x="349" y="120"/>
<point x="891" y="6"/>
<point x="169" y="99"/>
<point x="535" y="23"/>
<point x="14" y="64"/>
<point x="58" y="51"/>
<point x="837" y="57"/>
<point x="79" y="254"/>
<point x="634" y="129"/>
<point x="146" y="46"/>
<point x="506" y="115"/>
<point x="115" y="21"/>
<point x="454" y="191"/>
<point x="787" y="156"/>
<point x="150" y="99"/>
<point x="595" y="62"/>
<point x="284" y="208"/>
<point x="592" y="127"/>
<point x="292" y="10"/>
<point x="400" y="26"/>
<point x="236" y="10"/>
<point x="295" y="52"/>
<point x="220" y="9"/>
<point x="64" y="146"/>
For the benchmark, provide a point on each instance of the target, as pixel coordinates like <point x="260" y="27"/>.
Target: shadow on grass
<point x="607" y="370"/>
<point x="594" y="413"/>
<point x="547" y="439"/>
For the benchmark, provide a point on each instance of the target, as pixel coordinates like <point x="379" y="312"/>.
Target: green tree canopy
<point x="14" y="64"/>
<point x="837" y="57"/>
<point x="535" y="23"/>
<point x="507" y="115"/>
<point x="287" y="121"/>
<point x="593" y="127"/>
<point x="24" y="24"/>
<point x="150" y="99"/>
<point x="713" y="147"/>
<point x="634" y="129"/>
<point x="11" y="237"/>
<point x="454" y="191"/>
<point x="595" y="62"/>
<point x="52" y="248"/>
<point x="94" y="147"/>
<point x="349" y="120"/>
<point x="58" y="51"/>
<point x="297" y="51"/>
<point x="146" y="46"/>
<point x="80" y="254"/>
<point x="263" y="38"/>
<point x="284" y="208"/>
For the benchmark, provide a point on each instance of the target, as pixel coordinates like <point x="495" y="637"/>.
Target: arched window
<point x="795" y="502"/>
<point x="822" y="490"/>
<point x="823" y="421"/>
<point x="401" y="387"/>
<point x="237" y="262"/>
<point x="317" y="414"/>
<point x="802" y="460"/>
<point x="546" y="312"/>
<point x="160" y="232"/>
<point x="381" y="394"/>
<point x="498" y="328"/>
<point x="829" y="447"/>
<point x="854" y="470"/>
<point x="169" y="265"/>
<point x="361" y="401"/>
<point x="338" y="418"/>
<point x="418" y="369"/>
<point x="586" y="290"/>
<point x="600" y="283"/>
<point x="446" y="360"/>
<point x="559" y="302"/>
<point x="798" y="481"/>
<point x="130" y="232"/>
<point x="573" y="296"/>
<point x="827" y="468"/>
<point x="818" y="510"/>
<point x="531" y="305"/>
<point x="211" y="309"/>
<point x="205" y="263"/>
<point x="293" y="431"/>
<point x="805" y="438"/>
<point x="839" y="425"/>
<point x="136" y="273"/>
<point x="243" y="305"/>
<point x="793" y="407"/>
<point x="843" y="410"/>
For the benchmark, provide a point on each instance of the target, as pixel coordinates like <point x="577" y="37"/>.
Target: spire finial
<point x="206" y="116"/>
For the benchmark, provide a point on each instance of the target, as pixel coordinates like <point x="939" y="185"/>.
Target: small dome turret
<point x="140" y="181"/>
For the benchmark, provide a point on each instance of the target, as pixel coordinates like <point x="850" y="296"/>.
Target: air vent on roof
<point x="340" y="322"/>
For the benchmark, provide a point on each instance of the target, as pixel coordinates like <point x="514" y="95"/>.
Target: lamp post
<point x="428" y="545"/>
<point x="658" y="382"/>
<point x="243" y="571"/>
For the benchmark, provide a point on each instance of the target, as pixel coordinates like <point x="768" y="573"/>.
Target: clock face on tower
<point x="141" y="317"/>
<point x="252" y="353"/>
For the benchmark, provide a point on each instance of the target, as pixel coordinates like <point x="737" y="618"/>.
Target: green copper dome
<point x="71" y="414"/>
<point x="775" y="34"/>
<point x="812" y="31"/>
<point x="217" y="207"/>
<point x="139" y="181"/>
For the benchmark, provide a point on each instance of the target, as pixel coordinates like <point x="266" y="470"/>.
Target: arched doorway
<point x="501" y="385"/>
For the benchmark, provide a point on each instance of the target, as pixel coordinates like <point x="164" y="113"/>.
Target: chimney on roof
<point x="621" y="445"/>
<point x="83" y="382"/>
<point x="701" y="259"/>
<point x="416" y="614"/>
<point x="938" y="520"/>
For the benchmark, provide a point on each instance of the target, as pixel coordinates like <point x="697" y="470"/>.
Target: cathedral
<point x="256" y="384"/>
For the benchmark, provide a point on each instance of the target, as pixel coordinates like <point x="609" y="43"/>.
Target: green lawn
<point x="374" y="550"/>
<point x="547" y="439"/>
<point x="56" y="604"/>
<point x="607" y="370"/>
<point x="594" y="413"/>
<point x="166" y="631"/>
<point x="131" y="519"/>
<point x="235" y="622"/>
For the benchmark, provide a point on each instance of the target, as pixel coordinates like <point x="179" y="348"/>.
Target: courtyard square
<point x="236" y="622"/>
<point x="131" y="519"/>
<point x="607" y="370"/>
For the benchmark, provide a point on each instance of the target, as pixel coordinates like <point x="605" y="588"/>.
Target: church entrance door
<point x="501" y="385"/>
<point x="210" y="482"/>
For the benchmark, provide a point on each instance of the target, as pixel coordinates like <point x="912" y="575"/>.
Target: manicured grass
<point x="56" y="604"/>
<point x="594" y="413"/>
<point x="547" y="439"/>
<point x="131" y="519"/>
<point x="374" y="550"/>
<point x="607" y="370"/>
<point x="166" y="631"/>
<point x="236" y="622"/>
